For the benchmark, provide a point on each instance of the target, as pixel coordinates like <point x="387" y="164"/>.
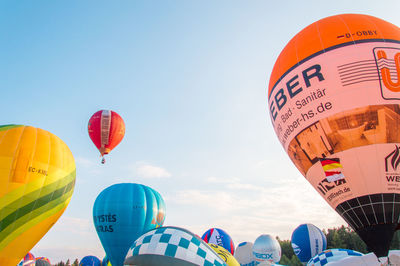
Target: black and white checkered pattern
<point x="176" y="243"/>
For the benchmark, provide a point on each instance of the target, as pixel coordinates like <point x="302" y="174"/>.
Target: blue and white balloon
<point x="219" y="237"/>
<point x="307" y="241"/>
<point x="266" y="248"/>
<point x="331" y="255"/>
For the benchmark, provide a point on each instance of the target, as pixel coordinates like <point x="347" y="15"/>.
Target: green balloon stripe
<point x="34" y="195"/>
<point x="5" y="127"/>
<point x="25" y="222"/>
<point x="48" y="200"/>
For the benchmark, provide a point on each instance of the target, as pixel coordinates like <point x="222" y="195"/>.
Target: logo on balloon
<point x="388" y="63"/>
<point x="296" y="249"/>
<point x="264" y="256"/>
<point x="332" y="169"/>
<point x="392" y="161"/>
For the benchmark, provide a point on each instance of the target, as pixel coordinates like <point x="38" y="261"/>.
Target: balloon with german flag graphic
<point x="334" y="102"/>
<point x="37" y="179"/>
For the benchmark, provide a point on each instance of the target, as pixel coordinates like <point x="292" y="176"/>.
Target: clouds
<point x="146" y="170"/>
<point x="70" y="238"/>
<point x="247" y="210"/>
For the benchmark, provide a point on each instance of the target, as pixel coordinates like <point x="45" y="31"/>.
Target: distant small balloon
<point x="307" y="241"/>
<point x="266" y="248"/>
<point x="42" y="261"/>
<point x="244" y="254"/>
<point x="29" y="256"/>
<point x="90" y="261"/>
<point x="106" y="129"/>
<point x="106" y="262"/>
<point x="219" y="237"/>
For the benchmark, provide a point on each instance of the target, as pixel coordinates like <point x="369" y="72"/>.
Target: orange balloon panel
<point x="334" y="98"/>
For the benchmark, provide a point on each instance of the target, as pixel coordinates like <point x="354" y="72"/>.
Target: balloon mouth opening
<point x="104" y="151"/>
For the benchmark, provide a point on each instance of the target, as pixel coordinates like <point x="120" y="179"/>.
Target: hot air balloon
<point x="27" y="263"/>
<point x="42" y="263"/>
<point x="307" y="241"/>
<point x="266" y="248"/>
<point x="334" y="104"/>
<point x="225" y="255"/>
<point x="106" y="129"/>
<point x="122" y="213"/>
<point x="219" y="237"/>
<point x="244" y="254"/>
<point x="369" y="259"/>
<point x="172" y="246"/>
<point x="330" y="255"/>
<point x="37" y="178"/>
<point x="105" y="262"/>
<point x="29" y="256"/>
<point x="90" y="261"/>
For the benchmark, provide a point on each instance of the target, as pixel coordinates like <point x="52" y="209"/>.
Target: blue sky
<point x="189" y="79"/>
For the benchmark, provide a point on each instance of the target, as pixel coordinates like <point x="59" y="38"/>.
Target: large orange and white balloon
<point x="333" y="97"/>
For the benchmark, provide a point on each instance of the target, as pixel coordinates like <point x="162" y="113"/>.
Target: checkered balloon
<point x="330" y="255"/>
<point x="172" y="246"/>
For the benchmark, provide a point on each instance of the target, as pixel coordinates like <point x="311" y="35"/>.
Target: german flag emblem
<point x="332" y="168"/>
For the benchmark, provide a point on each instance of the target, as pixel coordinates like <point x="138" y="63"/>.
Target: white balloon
<point x="244" y="253"/>
<point x="266" y="248"/>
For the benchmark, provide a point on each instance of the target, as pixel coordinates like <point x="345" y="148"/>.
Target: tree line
<point x="68" y="263"/>
<point x="341" y="237"/>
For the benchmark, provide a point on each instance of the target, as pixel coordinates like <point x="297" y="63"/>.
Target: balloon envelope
<point x="29" y="256"/>
<point x="225" y="255"/>
<point x="330" y="255"/>
<point x="106" y="129"/>
<point x="219" y="237"/>
<point x="266" y="248"/>
<point x="334" y="103"/>
<point x="37" y="178"/>
<point x="369" y="259"/>
<point x="28" y="263"/>
<point x="244" y="254"/>
<point x="90" y="261"/>
<point x="105" y="262"/>
<point x="42" y="262"/>
<point x="122" y="213"/>
<point x="172" y="246"/>
<point x="307" y="241"/>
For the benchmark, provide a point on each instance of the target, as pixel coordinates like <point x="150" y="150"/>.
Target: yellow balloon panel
<point x="225" y="255"/>
<point x="37" y="178"/>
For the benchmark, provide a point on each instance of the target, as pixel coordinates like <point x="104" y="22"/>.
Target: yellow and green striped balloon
<point x="37" y="178"/>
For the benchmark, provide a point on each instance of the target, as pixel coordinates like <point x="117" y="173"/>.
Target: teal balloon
<point x="122" y="213"/>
